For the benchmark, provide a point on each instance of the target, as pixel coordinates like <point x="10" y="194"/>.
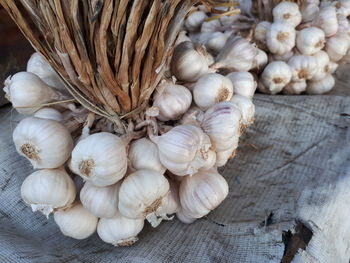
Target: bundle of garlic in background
<point x="288" y="47"/>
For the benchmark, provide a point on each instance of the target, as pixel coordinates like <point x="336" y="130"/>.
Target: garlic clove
<point x="295" y="87"/>
<point x="223" y="156"/>
<point x="322" y="86"/>
<point x="287" y="12"/>
<point x="247" y="108"/>
<point x="210" y="89"/>
<point x="310" y="40"/>
<point x="194" y="21"/>
<point x="76" y="222"/>
<point x="100" y="158"/>
<point x="243" y="83"/>
<point x="47" y="190"/>
<point x="280" y="38"/>
<point x="276" y="76"/>
<point x="49" y="113"/>
<point x="45" y="143"/>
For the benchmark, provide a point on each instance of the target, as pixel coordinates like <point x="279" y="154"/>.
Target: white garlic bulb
<point x="143" y="154"/>
<point x="247" y="108"/>
<point x="327" y="20"/>
<point x="223" y="156"/>
<point x="47" y="190"/>
<point x="322" y="86"/>
<point x="337" y="46"/>
<point x="192" y="117"/>
<point x="332" y="67"/>
<point x="243" y="83"/>
<point x="285" y="57"/>
<point x="142" y="193"/>
<point x="49" y="113"/>
<point x="303" y="67"/>
<point x="287" y="12"/>
<point x="280" y="38"/>
<point x="45" y="143"/>
<point x="310" y="40"/>
<point x="119" y="231"/>
<point x="188" y="63"/>
<point x="322" y="62"/>
<point x="194" y="20"/>
<point x="172" y="101"/>
<point x="202" y="192"/>
<point x="237" y="55"/>
<point x="216" y="41"/>
<point x="342" y="7"/>
<point x="210" y="89"/>
<point x="276" y="76"/>
<point x="211" y="26"/>
<point x="222" y="124"/>
<point x="183" y="149"/>
<point x="76" y="222"/>
<point x="210" y="161"/>
<point x="262" y="88"/>
<point x="100" y="158"/>
<point x="309" y="12"/>
<point x="260" y="60"/>
<point x="295" y="87"/>
<point x="184" y="218"/>
<point x="261" y="30"/>
<point x="100" y="201"/>
<point x="27" y="92"/>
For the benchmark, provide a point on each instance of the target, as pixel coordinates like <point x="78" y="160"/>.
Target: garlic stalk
<point x="243" y="83"/>
<point x="49" y="113"/>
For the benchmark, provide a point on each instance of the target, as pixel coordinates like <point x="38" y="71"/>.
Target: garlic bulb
<point x="45" y="143"/>
<point x="40" y="67"/>
<point x="285" y="57"/>
<point x="143" y="154"/>
<point x="100" y="158"/>
<point x="210" y="89"/>
<point x="303" y="67"/>
<point x="48" y="189"/>
<point x="280" y="38"/>
<point x="322" y="62"/>
<point x="182" y="37"/>
<point x="183" y="149"/>
<point x="243" y="83"/>
<point x="188" y="63"/>
<point x="276" y="76"/>
<point x="100" y="201"/>
<point x="222" y="124"/>
<point x="28" y="92"/>
<point x="223" y="156"/>
<point x="119" y="230"/>
<point x="337" y="46"/>
<point x="211" y="26"/>
<point x="262" y="88"/>
<point x="210" y="161"/>
<point x="327" y="20"/>
<point x="287" y="12"/>
<point x="309" y="12"/>
<point x="260" y="60"/>
<point x="76" y="222"/>
<point x="49" y="113"/>
<point x="332" y="67"/>
<point x="192" y="117"/>
<point x="295" y="87"/>
<point x="322" y="86"/>
<point x="310" y="40"/>
<point x="172" y="101"/>
<point x="184" y="218"/>
<point x="194" y="21"/>
<point x="216" y="41"/>
<point x="142" y="193"/>
<point x="202" y="192"/>
<point x="237" y="55"/>
<point x="246" y="106"/>
<point x="342" y="7"/>
<point x="261" y="30"/>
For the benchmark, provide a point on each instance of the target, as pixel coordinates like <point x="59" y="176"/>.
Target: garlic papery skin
<point x="342" y="7"/>
<point x="237" y="55"/>
<point x="223" y="156"/>
<point x="285" y="57"/>
<point x="210" y="26"/>
<point x="27" y="92"/>
<point x="194" y="21"/>
<point x="322" y="61"/>
<point x="100" y="158"/>
<point x="211" y="89"/>
<point x="309" y="12"/>
<point x="337" y="46"/>
<point x="243" y="83"/>
<point x="322" y="86"/>
<point x="40" y="67"/>
<point x="47" y="190"/>
<point x="100" y="201"/>
<point x="332" y="67"/>
<point x="45" y="143"/>
<point x="192" y="117"/>
<point x="216" y="41"/>
<point x="247" y="108"/>
<point x="184" y="218"/>
<point x="261" y="30"/>
<point x="327" y="20"/>
<point x="287" y="12"/>
<point x="303" y="67"/>
<point x="183" y="149"/>
<point x="49" y="113"/>
<point x="119" y="231"/>
<point x="76" y="222"/>
<point x="187" y="63"/>
<point x="310" y="40"/>
<point x="202" y="192"/>
<point x="172" y="101"/>
<point x="295" y="87"/>
<point x="143" y="154"/>
<point x="142" y="193"/>
<point x="276" y="76"/>
<point x="222" y="124"/>
<point x="210" y="161"/>
<point x="280" y="38"/>
<point x="260" y="60"/>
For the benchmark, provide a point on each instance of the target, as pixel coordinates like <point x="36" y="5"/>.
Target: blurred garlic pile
<point x="93" y="178"/>
<point x="288" y="47"/>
